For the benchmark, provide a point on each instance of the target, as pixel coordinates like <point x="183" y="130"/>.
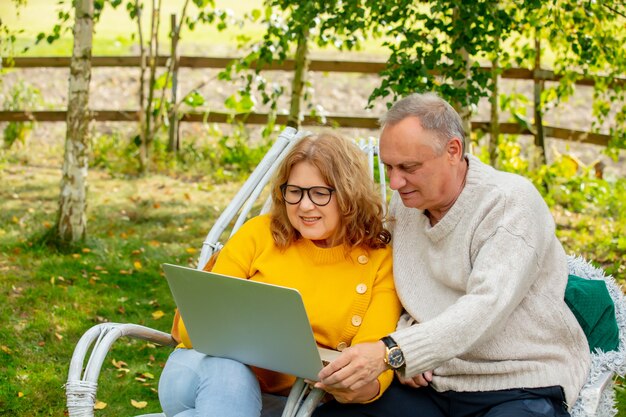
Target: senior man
<point x="481" y="276"/>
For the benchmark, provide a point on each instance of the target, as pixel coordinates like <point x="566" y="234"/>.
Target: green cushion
<point x="592" y="305"/>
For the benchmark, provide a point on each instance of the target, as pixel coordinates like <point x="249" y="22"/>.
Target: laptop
<point x="254" y="323"/>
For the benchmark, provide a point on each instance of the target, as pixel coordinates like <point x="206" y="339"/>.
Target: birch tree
<point x="72" y="220"/>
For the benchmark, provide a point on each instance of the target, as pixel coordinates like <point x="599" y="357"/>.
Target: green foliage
<point x="220" y="155"/>
<point x="590" y="212"/>
<point x="585" y="39"/>
<point x="21" y="96"/>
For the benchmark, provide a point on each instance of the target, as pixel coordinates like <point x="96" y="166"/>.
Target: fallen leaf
<point x="148" y="375"/>
<point x="157" y="314"/>
<point x="20" y="394"/>
<point x="118" y="364"/>
<point x="191" y="250"/>
<point x="137" y="265"/>
<point x="156" y="205"/>
<point x="138" y="404"/>
<point x="58" y="336"/>
<point x="47" y="225"/>
<point x="99" y="405"/>
<point x="76" y="255"/>
<point x="187" y="196"/>
<point x="5" y="349"/>
<point x="154" y="243"/>
<point x="86" y="250"/>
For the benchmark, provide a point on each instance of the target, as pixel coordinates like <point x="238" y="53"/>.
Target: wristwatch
<point x="394" y="358"/>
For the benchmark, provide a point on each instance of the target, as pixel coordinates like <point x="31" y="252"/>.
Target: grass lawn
<point x="51" y="298"/>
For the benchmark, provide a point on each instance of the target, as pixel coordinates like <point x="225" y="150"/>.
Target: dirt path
<point x="331" y="93"/>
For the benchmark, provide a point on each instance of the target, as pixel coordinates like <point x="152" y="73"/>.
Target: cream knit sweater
<point x="483" y="291"/>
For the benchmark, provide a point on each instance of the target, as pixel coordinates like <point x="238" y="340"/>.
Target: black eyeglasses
<point x="320" y="196"/>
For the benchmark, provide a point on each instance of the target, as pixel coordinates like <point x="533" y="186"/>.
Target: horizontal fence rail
<point x="364" y="67"/>
<point x="262" y="118"/>
<point x="356" y="66"/>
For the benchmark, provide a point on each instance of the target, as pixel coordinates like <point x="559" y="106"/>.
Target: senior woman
<point x="325" y="237"/>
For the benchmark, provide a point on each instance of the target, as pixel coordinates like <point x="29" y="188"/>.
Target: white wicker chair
<point x="596" y="400"/>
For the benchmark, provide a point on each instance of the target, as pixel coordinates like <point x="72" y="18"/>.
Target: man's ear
<point x="454" y="148"/>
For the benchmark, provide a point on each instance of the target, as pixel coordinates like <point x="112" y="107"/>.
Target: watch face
<point x="395" y="358"/>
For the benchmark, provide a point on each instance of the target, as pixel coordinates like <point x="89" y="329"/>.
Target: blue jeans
<point x="196" y="385"/>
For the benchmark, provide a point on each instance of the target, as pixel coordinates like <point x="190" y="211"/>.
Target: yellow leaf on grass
<point x="5" y="349"/>
<point x="137" y="265"/>
<point x="139" y="404"/>
<point x="99" y="405"/>
<point x="191" y="250"/>
<point x="157" y="314"/>
<point x="118" y="364"/>
<point x="20" y="394"/>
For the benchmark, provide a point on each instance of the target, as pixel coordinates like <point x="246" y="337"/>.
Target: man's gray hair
<point x="435" y="114"/>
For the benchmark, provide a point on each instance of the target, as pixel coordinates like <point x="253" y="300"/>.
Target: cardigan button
<point x="363" y="259"/>
<point x="341" y="346"/>
<point x="357" y="320"/>
<point x="361" y="288"/>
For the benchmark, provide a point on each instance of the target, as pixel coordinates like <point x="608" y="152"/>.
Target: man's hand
<point x="356" y="367"/>
<point x="420" y="380"/>
<point x="359" y="396"/>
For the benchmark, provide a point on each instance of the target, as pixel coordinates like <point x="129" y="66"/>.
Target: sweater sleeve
<point x="383" y="312"/>
<point x="238" y="254"/>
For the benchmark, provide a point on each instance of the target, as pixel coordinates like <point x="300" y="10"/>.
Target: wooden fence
<point x="363" y="67"/>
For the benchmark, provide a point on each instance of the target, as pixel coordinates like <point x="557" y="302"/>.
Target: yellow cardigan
<point x="349" y="299"/>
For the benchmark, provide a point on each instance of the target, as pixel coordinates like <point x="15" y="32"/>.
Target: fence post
<point x="173" y="144"/>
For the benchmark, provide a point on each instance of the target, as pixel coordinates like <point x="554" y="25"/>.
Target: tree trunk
<point x="299" y="78"/>
<point x="143" y="150"/>
<point x="540" y="141"/>
<point x="495" y="119"/>
<point x="173" y="144"/>
<point x="464" y="109"/>
<point x="72" y="219"/>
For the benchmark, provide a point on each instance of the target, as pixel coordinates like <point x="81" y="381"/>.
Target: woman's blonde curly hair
<point x="344" y="167"/>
